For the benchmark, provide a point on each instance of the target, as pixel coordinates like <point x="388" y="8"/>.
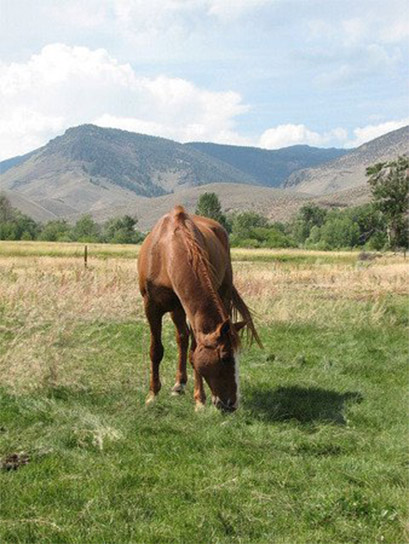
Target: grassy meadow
<point x="316" y="454"/>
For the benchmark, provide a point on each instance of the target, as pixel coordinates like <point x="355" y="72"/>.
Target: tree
<point x="389" y="183"/>
<point x="6" y="211"/>
<point x="14" y="225"/>
<point x="86" y="230"/>
<point x="209" y="205"/>
<point x="309" y="216"/>
<point x="55" y="230"/>
<point x="371" y="223"/>
<point x="339" y="231"/>
<point x="121" y="230"/>
<point x="243" y="222"/>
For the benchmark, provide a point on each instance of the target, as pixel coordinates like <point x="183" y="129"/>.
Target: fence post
<point x="85" y="256"/>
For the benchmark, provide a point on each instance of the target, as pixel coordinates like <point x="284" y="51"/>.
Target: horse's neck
<point x="199" y="299"/>
<point x="193" y="281"/>
<point x="207" y="318"/>
<point x="203" y="306"/>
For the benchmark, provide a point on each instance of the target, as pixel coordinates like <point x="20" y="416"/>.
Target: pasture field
<point x="316" y="454"/>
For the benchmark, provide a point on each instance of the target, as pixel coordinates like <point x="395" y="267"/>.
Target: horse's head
<point x="215" y="359"/>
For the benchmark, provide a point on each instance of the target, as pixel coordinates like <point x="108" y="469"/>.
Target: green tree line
<point x="14" y="225"/>
<point x="380" y="224"/>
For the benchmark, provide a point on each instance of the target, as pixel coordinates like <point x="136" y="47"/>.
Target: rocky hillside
<point x="349" y="171"/>
<point x="269" y="167"/>
<point x="91" y="167"/>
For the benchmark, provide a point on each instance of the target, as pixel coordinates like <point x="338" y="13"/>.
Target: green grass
<point x="317" y="453"/>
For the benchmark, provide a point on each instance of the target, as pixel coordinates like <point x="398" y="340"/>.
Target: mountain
<point x="268" y="167"/>
<point x="91" y="167"/>
<point x="14" y="161"/>
<point x="348" y="172"/>
<point x="110" y="172"/>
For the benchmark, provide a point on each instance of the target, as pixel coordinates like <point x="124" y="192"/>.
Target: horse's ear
<point x="240" y="325"/>
<point x="224" y="328"/>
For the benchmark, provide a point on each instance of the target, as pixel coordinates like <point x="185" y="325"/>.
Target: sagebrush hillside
<point x="89" y="168"/>
<point x="348" y="172"/>
<point x="269" y="167"/>
<point x="276" y="204"/>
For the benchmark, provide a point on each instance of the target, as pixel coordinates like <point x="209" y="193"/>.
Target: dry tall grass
<point x="322" y="293"/>
<point x="44" y="299"/>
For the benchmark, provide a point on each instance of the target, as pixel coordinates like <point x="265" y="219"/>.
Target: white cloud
<point x="286" y="135"/>
<point x="291" y="134"/>
<point x="64" y="86"/>
<point x="23" y="130"/>
<point x="365" y="134"/>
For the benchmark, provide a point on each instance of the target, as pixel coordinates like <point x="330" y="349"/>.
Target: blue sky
<point x="268" y="73"/>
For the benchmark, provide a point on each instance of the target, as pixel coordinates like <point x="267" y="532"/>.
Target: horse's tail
<point x="239" y="306"/>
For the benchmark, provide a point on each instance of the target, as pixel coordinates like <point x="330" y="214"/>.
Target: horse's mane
<point x="198" y="256"/>
<point x="204" y="268"/>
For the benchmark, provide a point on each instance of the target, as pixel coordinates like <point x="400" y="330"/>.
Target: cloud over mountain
<point x="63" y="86"/>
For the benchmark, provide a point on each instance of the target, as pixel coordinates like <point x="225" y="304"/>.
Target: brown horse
<point x="185" y="269"/>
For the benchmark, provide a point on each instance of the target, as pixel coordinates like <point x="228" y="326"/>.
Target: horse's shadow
<point x="305" y="405"/>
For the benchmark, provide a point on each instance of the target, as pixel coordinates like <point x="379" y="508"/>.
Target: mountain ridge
<point x="269" y="167"/>
<point x="95" y="170"/>
<point x="349" y="171"/>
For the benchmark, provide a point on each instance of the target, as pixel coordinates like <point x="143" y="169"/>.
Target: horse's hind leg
<point x="182" y="339"/>
<point x="154" y="316"/>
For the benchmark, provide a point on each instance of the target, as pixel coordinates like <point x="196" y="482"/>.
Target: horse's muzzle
<point x="228" y="406"/>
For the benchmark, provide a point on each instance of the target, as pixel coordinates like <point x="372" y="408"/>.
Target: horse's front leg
<point x="199" y="392"/>
<point x="154" y="316"/>
<point x="182" y="339"/>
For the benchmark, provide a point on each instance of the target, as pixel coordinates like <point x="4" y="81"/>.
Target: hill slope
<point x="91" y="167"/>
<point x="269" y="167"/>
<point x="14" y="161"/>
<point x="349" y="171"/>
<point x="277" y="204"/>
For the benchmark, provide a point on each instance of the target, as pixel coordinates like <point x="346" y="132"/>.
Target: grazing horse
<point x="185" y="268"/>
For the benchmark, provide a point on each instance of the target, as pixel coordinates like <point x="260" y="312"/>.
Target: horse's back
<point x="164" y="253"/>
<point x="151" y="255"/>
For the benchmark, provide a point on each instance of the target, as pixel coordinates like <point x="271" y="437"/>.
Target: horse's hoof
<point x="150" y="399"/>
<point x="200" y="406"/>
<point x="178" y="389"/>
